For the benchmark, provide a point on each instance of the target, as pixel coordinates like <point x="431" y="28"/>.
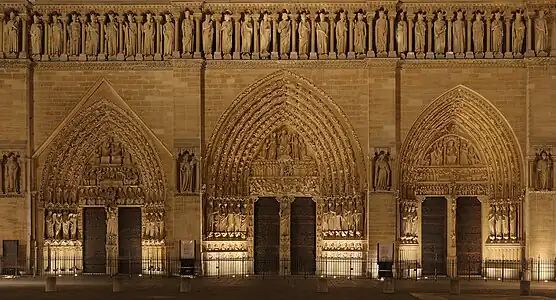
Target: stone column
<point x="121" y="49"/>
<point x="488" y="53"/>
<point x="469" y="20"/>
<point x="351" y="20"/>
<point x="176" y="19"/>
<point x="391" y="49"/>
<point x="237" y="36"/>
<point x="139" y="20"/>
<point x="218" y="50"/>
<point x="102" y="54"/>
<point x="553" y="36"/>
<point x="274" y="54"/>
<point x="197" y="16"/>
<point x="293" y="54"/>
<point x="158" y="46"/>
<point x="508" y="21"/>
<point x="83" y="55"/>
<point x="449" y="52"/>
<point x="256" y="41"/>
<point x="64" y="55"/>
<point x="430" y="53"/>
<point x="2" y="35"/>
<point x="46" y="21"/>
<point x="285" y="216"/>
<point x="313" y="54"/>
<point x="370" y="34"/>
<point x="451" y="234"/>
<point x="410" y="52"/>
<point x="331" y="36"/>
<point x="529" y="52"/>
<point x="24" y="36"/>
<point x="112" y="247"/>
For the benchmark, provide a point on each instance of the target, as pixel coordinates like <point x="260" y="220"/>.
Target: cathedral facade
<point x="278" y="137"/>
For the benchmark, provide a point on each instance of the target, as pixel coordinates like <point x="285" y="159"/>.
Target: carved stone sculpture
<point x="492" y="220"/>
<point x="408" y="213"/>
<point x="401" y="33"/>
<point x="187" y="27"/>
<point x="304" y="35"/>
<point x="246" y="35"/>
<point x="208" y="35"/>
<point x="284" y="29"/>
<point x="11" y="35"/>
<point x="169" y="31"/>
<point x="130" y="37"/>
<point x="342" y="218"/>
<point x="322" y="35"/>
<point x="227" y="29"/>
<point x="188" y="172"/>
<point x="341" y="34"/>
<point x="65" y="226"/>
<point x="458" y="33"/>
<point x="57" y="220"/>
<point x="382" y="171"/>
<point x="153" y="226"/>
<point x="360" y="34"/>
<point x="12" y="174"/>
<point x="440" y="33"/>
<point x="512" y="217"/>
<point x="226" y="218"/>
<point x="55" y="36"/>
<point x="265" y="34"/>
<point x="36" y="36"/>
<point x="497" y="28"/>
<point x="49" y="225"/>
<point x="112" y="221"/>
<point x="381" y="32"/>
<point x="543" y="169"/>
<point x="478" y="33"/>
<point x="149" y="30"/>
<point x="420" y="33"/>
<point x="74" y="32"/>
<point x="92" y="36"/>
<point x="541" y="33"/>
<point x="518" y="33"/>
<point x="111" y="35"/>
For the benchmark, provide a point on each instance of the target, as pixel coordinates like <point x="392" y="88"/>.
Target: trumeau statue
<point x="36" y="36"/>
<point x="227" y="29"/>
<point x="148" y="36"/>
<point x="541" y="33"/>
<point x="322" y="35"/>
<point x="420" y="33"/>
<point x="111" y="34"/>
<point x="265" y="34"/>
<point x="246" y="35"/>
<point x="518" y="33"/>
<point x="92" y="36"/>
<point x="284" y="29"/>
<point x="208" y="35"/>
<point x="304" y="35"/>
<point x="401" y="33"/>
<point x="130" y="36"/>
<point x="169" y="30"/>
<point x="111" y="220"/>
<point x="11" y="35"/>
<point x="497" y="28"/>
<point x="459" y="34"/>
<point x="55" y="36"/>
<point x="360" y="34"/>
<point x="187" y="26"/>
<point x="381" y="32"/>
<point x="74" y="36"/>
<point x="341" y="34"/>
<point x="478" y="33"/>
<point x="440" y="33"/>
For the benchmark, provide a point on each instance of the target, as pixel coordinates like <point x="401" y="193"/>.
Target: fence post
<point x="539" y="269"/>
<point x="350" y="268"/>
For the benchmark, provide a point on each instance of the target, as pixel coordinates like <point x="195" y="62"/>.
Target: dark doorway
<point x="433" y="215"/>
<point x="129" y="240"/>
<point x="303" y="236"/>
<point x="10" y="257"/>
<point x="94" y="240"/>
<point x="468" y="236"/>
<point x="267" y="236"/>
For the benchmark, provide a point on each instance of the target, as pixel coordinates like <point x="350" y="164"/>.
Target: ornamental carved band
<point x="461" y="146"/>
<point x="275" y="31"/>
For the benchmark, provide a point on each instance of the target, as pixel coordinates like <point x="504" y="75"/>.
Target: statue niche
<point x="11" y="166"/>
<point x="226" y="218"/>
<point x="542" y="171"/>
<point x="187" y="175"/>
<point x="382" y="173"/>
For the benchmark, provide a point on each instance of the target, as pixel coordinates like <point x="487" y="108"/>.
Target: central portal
<point x="303" y="236"/>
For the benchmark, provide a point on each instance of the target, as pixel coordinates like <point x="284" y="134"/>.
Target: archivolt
<point x="467" y="113"/>
<point x="80" y="139"/>
<point x="276" y="100"/>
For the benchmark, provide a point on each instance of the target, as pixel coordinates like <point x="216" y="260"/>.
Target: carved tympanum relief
<point x="188" y="178"/>
<point x="503" y="222"/>
<point x="12" y="178"/>
<point x="542" y="170"/>
<point x="62" y="225"/>
<point x="342" y="217"/>
<point x="382" y="172"/>
<point x="226" y="218"/>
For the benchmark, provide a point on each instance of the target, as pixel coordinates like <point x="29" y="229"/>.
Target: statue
<point x="265" y="34"/>
<point x="273" y="147"/>
<point x="11" y="34"/>
<point x="12" y="174"/>
<point x="451" y="153"/>
<point x="148" y="36"/>
<point x="381" y="32"/>
<point x="382" y="171"/>
<point x="341" y="34"/>
<point x="322" y="35"/>
<point x="541" y="33"/>
<point x="73" y="226"/>
<point x="187" y="26"/>
<point x="36" y="36"/>
<point x="284" y="148"/>
<point x="401" y="33"/>
<point x="543" y="167"/>
<point x="111" y="220"/>
<point x="304" y="35"/>
<point x="504" y="221"/>
<point x="497" y="29"/>
<point x="57" y="220"/>
<point x="92" y="36"/>
<point x="459" y="33"/>
<point x="478" y="33"/>
<point x="440" y="34"/>
<point x="227" y="29"/>
<point x="49" y="225"/>
<point x="74" y="32"/>
<point x="246" y="35"/>
<point x="160" y="226"/>
<point x="360" y="34"/>
<point x="420" y="33"/>
<point x="169" y="31"/>
<point x="130" y="36"/>
<point x="208" y="35"/>
<point x="111" y="36"/>
<point x="65" y="226"/>
<point x="513" y="220"/>
<point x="55" y="36"/>
<point x="518" y="33"/>
<point x="492" y="220"/>
<point x="284" y="29"/>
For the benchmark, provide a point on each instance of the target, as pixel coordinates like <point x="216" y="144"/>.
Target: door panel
<point x="10" y="257"/>
<point x="468" y="235"/>
<point x="303" y="236"/>
<point x="129" y="240"/>
<point x="94" y="240"/>
<point x="433" y="215"/>
<point x="267" y="236"/>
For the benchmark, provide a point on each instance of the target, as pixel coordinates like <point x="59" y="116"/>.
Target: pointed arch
<point x="461" y="115"/>
<point x="283" y="98"/>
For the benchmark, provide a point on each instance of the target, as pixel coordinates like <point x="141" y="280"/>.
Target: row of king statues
<point x="283" y="34"/>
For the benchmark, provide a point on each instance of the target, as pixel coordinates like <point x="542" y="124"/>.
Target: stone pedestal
<point x="388" y="286"/>
<point x="185" y="285"/>
<point x="117" y="284"/>
<point x="322" y="286"/>
<point x="525" y="288"/>
<point x="50" y="284"/>
<point x="454" y="287"/>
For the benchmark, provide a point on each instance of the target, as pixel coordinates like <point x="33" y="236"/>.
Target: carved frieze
<point x="284" y="186"/>
<point x="226" y="218"/>
<point x="342" y="218"/>
<point x="188" y="175"/>
<point x="12" y="173"/>
<point x="227" y="246"/>
<point x="335" y="245"/>
<point x="62" y="225"/>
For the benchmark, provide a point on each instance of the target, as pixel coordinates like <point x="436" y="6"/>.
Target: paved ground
<point x="88" y="287"/>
